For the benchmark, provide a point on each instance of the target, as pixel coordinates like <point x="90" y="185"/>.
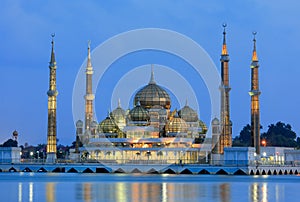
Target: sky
<point x="26" y="28"/>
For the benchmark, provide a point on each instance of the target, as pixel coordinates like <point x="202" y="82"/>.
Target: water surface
<point x="139" y="187"/>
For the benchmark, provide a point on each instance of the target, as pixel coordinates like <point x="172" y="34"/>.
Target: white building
<point x="10" y="154"/>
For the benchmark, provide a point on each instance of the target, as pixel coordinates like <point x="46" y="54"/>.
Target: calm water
<point x="122" y="187"/>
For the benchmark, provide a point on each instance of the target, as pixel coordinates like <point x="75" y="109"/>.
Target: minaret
<point x="225" y="123"/>
<point x="89" y="96"/>
<point x="254" y="93"/>
<point x="52" y="94"/>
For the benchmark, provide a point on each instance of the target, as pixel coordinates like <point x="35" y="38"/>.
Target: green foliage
<point x="280" y="135"/>
<point x="244" y="139"/>
<point x="10" y="143"/>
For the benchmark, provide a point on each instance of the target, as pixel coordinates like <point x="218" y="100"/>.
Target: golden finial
<point x="89" y="63"/>
<point x="52" y="60"/>
<point x="254" y="54"/>
<point x="224" y="47"/>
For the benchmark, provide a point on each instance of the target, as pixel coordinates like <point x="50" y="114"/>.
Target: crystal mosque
<point x="151" y="131"/>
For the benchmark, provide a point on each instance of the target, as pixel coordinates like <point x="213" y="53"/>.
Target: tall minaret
<point x="52" y="93"/>
<point x="254" y="93"/>
<point x="225" y="123"/>
<point x="89" y="96"/>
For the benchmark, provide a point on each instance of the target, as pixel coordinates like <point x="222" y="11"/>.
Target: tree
<point x="280" y="135"/>
<point x="10" y="143"/>
<point x="244" y="139"/>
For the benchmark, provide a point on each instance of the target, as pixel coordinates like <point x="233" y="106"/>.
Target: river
<point x="69" y="187"/>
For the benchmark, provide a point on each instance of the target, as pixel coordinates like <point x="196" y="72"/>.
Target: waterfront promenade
<point x="153" y="168"/>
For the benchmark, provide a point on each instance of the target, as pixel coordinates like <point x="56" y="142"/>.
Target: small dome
<point x="188" y="114"/>
<point x="79" y="124"/>
<point x="15" y="133"/>
<point x="94" y="124"/>
<point x="118" y="113"/>
<point x="108" y="125"/>
<point x="176" y="125"/>
<point x="215" y="121"/>
<point x="138" y="113"/>
<point x="152" y="95"/>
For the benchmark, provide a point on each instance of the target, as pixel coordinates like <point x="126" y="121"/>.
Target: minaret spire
<point x="254" y="93"/>
<point x="254" y="54"/>
<point x="52" y="94"/>
<point x="224" y="47"/>
<point x="52" y="60"/>
<point x="89" y="96"/>
<point x="89" y="63"/>
<point x="152" y="80"/>
<point x="225" y="137"/>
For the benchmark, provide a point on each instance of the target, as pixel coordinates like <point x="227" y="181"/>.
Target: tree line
<point x="279" y="135"/>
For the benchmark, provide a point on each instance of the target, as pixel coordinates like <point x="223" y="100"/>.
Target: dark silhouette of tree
<point x="280" y="135"/>
<point x="10" y="143"/>
<point x="244" y="139"/>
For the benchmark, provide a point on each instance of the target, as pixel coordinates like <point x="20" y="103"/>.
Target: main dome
<point x="152" y="95"/>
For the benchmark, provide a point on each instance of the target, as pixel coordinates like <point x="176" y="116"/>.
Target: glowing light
<point x="264" y="142"/>
<point x="20" y="192"/>
<point x="30" y="191"/>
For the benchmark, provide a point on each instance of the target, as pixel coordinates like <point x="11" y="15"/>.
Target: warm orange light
<point x="224" y="50"/>
<point x="264" y="142"/>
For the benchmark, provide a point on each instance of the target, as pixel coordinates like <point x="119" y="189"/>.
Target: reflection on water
<point x="259" y="192"/>
<point x="20" y="192"/>
<point x="152" y="188"/>
<point x="50" y="192"/>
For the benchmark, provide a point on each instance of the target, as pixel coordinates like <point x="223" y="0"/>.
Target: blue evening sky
<point x="26" y="26"/>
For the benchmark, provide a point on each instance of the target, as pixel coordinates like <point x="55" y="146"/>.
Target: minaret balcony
<point x="224" y="88"/>
<point x="254" y="64"/>
<point x="52" y="93"/>
<point x="224" y="58"/>
<point x="89" y="71"/>
<point x="89" y="97"/>
<point x="254" y="92"/>
<point x="52" y="65"/>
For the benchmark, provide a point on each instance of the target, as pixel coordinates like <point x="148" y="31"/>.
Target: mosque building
<point x="152" y="132"/>
<point x="149" y="131"/>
